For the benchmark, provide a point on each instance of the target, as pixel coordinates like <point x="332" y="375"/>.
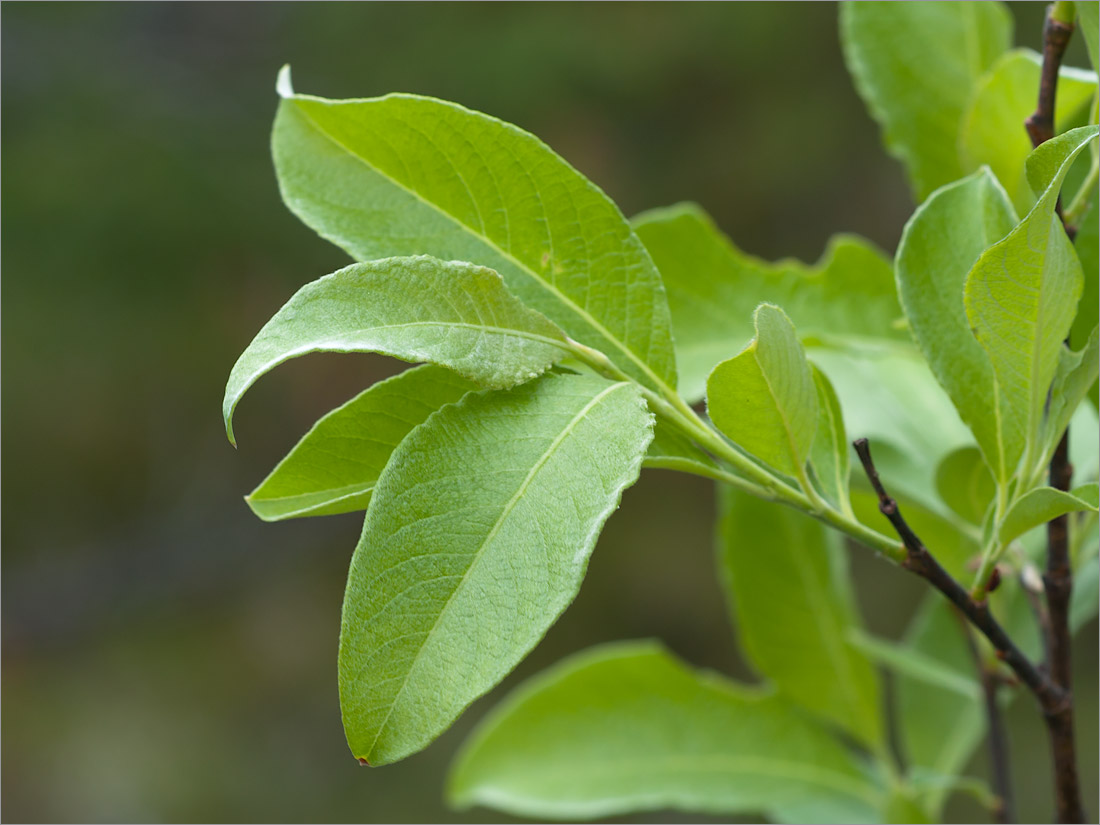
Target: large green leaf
<point x="1021" y="297"/>
<point x="942" y="748"/>
<point x="477" y="538"/>
<point x="991" y="131"/>
<point x="418" y="309"/>
<point x="1041" y="505"/>
<point x="787" y="579"/>
<point x="334" y="467"/>
<point x="404" y="175"/>
<point x="713" y="288"/>
<point x="938" y="247"/>
<point x="764" y="398"/>
<point x="916" y="65"/>
<point x="627" y="727"/>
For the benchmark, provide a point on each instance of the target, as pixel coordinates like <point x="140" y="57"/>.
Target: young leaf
<point x="1021" y="297"/>
<point x="404" y="175"/>
<point x="916" y="65"/>
<point x="627" y="727"/>
<point x="1087" y="244"/>
<point x="713" y="288"/>
<point x="764" y="399"/>
<point x="477" y="538"/>
<point x="965" y="485"/>
<point x="1077" y="373"/>
<point x="417" y="309"/>
<point x="334" y="467"/>
<point x="938" y="247"/>
<point x="786" y="576"/>
<point x="829" y="455"/>
<point x="945" y="747"/>
<point x="1043" y="504"/>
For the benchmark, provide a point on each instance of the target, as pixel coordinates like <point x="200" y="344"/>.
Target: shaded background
<point x="166" y="656"/>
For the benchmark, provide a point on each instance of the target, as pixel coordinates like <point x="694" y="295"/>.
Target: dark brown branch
<point x="922" y="563"/>
<point x="1058" y="579"/>
<point x="1000" y="767"/>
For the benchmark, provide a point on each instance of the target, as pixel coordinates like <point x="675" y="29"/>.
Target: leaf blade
<point x="417" y="309"/>
<point x="627" y="727"/>
<point x="334" y="467"/>
<point x="454" y="581"/>
<point x="403" y="174"/>
<point x="1042" y="504"/>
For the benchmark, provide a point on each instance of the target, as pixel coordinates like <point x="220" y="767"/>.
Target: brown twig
<point x="1058" y="579"/>
<point x="1005" y="808"/>
<point x="919" y="561"/>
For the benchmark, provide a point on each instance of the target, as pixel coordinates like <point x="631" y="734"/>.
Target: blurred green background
<point x="167" y="656"/>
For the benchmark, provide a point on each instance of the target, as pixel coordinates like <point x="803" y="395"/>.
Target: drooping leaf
<point x="938" y="248"/>
<point x="1021" y="297"/>
<point x="830" y="453"/>
<point x="1043" y="504"/>
<point x="764" y="398"/>
<point x="627" y="727"/>
<point x="991" y="131"/>
<point x="965" y="485"/>
<point x="889" y="396"/>
<point x="916" y="65"/>
<point x="945" y="747"/>
<point x="477" y="538"/>
<point x="912" y="663"/>
<point x="786" y="578"/>
<point x="405" y="175"/>
<point x="417" y="309"/>
<point x="334" y="467"/>
<point x="713" y="288"/>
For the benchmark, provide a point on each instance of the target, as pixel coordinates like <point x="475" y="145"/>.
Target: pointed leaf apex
<point x="283" y="86"/>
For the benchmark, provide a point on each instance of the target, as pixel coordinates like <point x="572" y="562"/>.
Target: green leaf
<point x="787" y="580"/>
<point x="627" y="727"/>
<point x="1087" y="244"/>
<point x="1088" y="15"/>
<point x="765" y="398"/>
<point x="991" y="131"/>
<point x="1021" y="297"/>
<point x="334" y="467"/>
<point x="965" y="485"/>
<point x="829" y="455"/>
<point x="916" y="65"/>
<point x="713" y="288"/>
<point x="1077" y="373"/>
<point x="938" y="248"/>
<point x="945" y="747"/>
<point x="914" y="664"/>
<point x="477" y="538"/>
<point x="889" y="396"/>
<point x="453" y="314"/>
<point x="405" y="175"/>
<point x="670" y="450"/>
<point x="1043" y="504"/>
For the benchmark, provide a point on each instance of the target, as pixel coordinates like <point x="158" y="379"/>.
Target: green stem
<point x="1063" y="11"/>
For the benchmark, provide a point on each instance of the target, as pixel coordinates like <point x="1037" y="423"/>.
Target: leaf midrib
<point x="508" y="507"/>
<point x="584" y="314"/>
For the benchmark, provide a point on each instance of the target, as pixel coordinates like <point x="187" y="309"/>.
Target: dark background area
<point x="167" y="656"/>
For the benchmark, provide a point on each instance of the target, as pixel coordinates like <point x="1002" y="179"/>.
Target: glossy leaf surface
<point x="787" y="581"/>
<point x="334" y="467"/>
<point x="407" y="175"/>
<point x="417" y="309"/>
<point x="627" y="727"/>
<point x="477" y="538"/>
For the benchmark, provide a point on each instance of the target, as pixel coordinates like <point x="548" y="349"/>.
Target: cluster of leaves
<point x="545" y="322"/>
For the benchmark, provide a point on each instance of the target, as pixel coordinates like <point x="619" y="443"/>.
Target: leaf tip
<point x="363" y="761"/>
<point x="283" y="86"/>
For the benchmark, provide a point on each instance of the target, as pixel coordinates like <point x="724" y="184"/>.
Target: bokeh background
<point x="167" y="656"/>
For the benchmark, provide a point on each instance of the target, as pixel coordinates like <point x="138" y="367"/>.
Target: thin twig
<point x="1004" y="809"/>
<point x="922" y="563"/>
<point x="1058" y="579"/>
